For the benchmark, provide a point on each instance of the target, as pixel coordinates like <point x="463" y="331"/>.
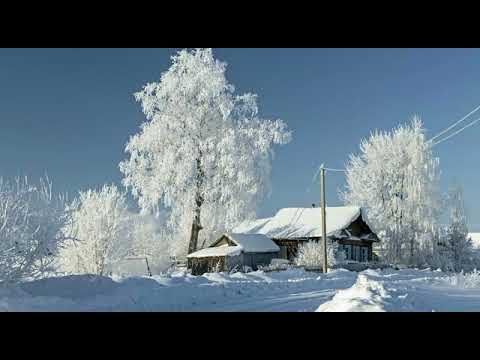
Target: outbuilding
<point x="232" y="251"/>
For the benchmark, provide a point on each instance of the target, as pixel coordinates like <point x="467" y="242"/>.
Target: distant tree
<point x="456" y="245"/>
<point x="395" y="179"/>
<point x="99" y="225"/>
<point x="31" y="222"/>
<point x="146" y="238"/>
<point x="204" y="154"/>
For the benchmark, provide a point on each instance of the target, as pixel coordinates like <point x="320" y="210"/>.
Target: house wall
<point x="234" y="261"/>
<point x="203" y="265"/>
<point x="253" y="260"/>
<point x="353" y="248"/>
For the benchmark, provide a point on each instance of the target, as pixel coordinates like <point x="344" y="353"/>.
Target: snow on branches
<point x="106" y="232"/>
<point x="310" y="254"/>
<point x="203" y="154"/>
<point x="395" y="178"/>
<point x="31" y="222"/>
<point x="98" y="226"/>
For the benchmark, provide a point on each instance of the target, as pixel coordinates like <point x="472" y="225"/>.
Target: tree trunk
<point x="412" y="244"/>
<point x="196" y="225"/>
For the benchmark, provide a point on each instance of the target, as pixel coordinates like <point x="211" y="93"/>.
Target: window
<point x="348" y="251"/>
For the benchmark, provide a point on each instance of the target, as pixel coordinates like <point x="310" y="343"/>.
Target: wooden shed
<point x="233" y="251"/>
<point x="292" y="226"/>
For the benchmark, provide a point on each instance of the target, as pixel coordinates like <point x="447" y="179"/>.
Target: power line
<point x="455" y="124"/>
<point x="330" y="169"/>
<point x="432" y="140"/>
<point x="456" y="132"/>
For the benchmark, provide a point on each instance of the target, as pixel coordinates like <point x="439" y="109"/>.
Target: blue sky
<point x="70" y="111"/>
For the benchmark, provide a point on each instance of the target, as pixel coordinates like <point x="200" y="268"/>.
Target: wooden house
<point x="233" y="251"/>
<point x="293" y="226"/>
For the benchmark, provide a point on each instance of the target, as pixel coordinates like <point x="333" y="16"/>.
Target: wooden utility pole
<point x="323" y="215"/>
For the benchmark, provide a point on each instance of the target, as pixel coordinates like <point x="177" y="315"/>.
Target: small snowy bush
<point x="310" y="254"/>
<point x="99" y="226"/>
<point x="465" y="280"/>
<point x="31" y="222"/>
<point x="276" y="265"/>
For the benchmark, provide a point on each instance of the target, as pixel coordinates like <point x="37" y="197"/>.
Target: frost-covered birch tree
<point x="99" y="226"/>
<point x="203" y="154"/>
<point x="31" y="222"/>
<point x="395" y="178"/>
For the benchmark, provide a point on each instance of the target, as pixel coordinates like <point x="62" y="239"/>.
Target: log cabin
<point x="292" y="226"/>
<point x="255" y="243"/>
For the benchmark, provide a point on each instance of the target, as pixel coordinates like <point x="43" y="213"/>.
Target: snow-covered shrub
<point x="276" y="265"/>
<point x="31" y="222"/>
<point x="99" y="226"/>
<point x="465" y="280"/>
<point x="310" y="254"/>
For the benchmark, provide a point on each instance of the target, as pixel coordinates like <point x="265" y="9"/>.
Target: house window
<point x="348" y="251"/>
<point x="283" y="252"/>
<point x="356" y="253"/>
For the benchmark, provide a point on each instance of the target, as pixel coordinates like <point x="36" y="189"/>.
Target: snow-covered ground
<point x="291" y="290"/>
<point x="408" y="290"/>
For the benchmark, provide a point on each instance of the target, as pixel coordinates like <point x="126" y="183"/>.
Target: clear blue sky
<point x="70" y="111"/>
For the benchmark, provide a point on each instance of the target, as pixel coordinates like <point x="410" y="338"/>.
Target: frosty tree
<point x="147" y="239"/>
<point x="31" y="222"/>
<point x="99" y="227"/>
<point x="310" y="254"/>
<point x="203" y="154"/>
<point x="395" y="178"/>
<point x="457" y="247"/>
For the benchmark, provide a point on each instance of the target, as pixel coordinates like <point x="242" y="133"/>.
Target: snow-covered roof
<point x="475" y="240"/>
<point x="253" y="242"/>
<point x="223" y="250"/>
<point x="292" y="223"/>
<point x="248" y="243"/>
<point x="251" y="226"/>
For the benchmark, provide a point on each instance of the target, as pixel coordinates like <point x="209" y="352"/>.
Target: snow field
<point x="293" y="290"/>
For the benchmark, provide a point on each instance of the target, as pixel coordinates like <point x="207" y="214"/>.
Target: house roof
<point x="248" y="243"/>
<point x="293" y="223"/>
<point x="223" y="250"/>
<point x="253" y="242"/>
